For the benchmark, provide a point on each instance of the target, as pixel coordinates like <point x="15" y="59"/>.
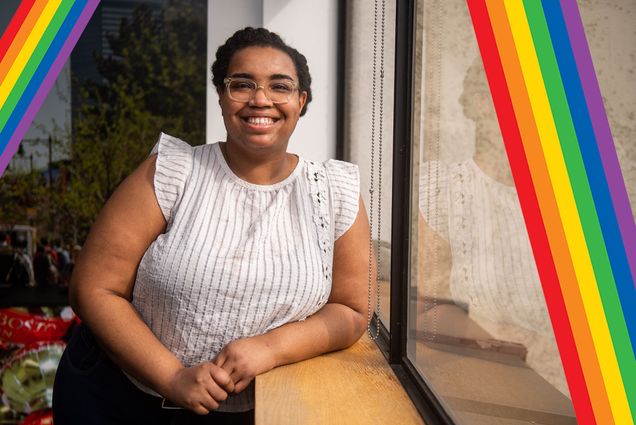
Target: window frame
<point x="393" y="341"/>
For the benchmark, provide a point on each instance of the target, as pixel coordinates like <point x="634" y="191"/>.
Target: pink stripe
<point x="48" y="82"/>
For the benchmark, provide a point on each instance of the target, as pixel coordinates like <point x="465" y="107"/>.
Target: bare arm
<point x="339" y="324"/>
<point x="101" y="292"/>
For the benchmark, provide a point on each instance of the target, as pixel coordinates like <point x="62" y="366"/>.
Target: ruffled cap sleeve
<point x="344" y="182"/>
<point x="172" y="171"/>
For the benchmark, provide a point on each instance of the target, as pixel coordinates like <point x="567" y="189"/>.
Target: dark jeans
<point x="90" y="390"/>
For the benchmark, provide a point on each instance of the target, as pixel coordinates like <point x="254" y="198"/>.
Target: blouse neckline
<point x="261" y="187"/>
<point x="490" y="180"/>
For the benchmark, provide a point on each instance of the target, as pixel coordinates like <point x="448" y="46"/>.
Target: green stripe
<point x="582" y="194"/>
<point x="34" y="61"/>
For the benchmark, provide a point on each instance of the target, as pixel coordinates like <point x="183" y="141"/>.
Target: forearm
<point x="334" y="327"/>
<point x="126" y="338"/>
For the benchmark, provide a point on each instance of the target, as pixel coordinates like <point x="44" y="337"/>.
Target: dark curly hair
<point x="261" y="37"/>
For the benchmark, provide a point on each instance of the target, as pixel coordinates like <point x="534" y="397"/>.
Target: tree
<point x="19" y="191"/>
<point x="154" y="81"/>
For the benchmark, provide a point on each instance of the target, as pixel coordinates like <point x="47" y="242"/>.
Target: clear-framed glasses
<point x="244" y="89"/>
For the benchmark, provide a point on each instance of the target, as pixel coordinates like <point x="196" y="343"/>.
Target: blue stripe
<point x="593" y="165"/>
<point x="40" y="74"/>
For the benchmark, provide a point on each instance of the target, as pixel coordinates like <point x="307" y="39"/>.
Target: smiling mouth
<point x="264" y="121"/>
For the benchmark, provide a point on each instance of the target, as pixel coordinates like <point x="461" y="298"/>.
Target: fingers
<point x="216" y="383"/>
<point x="222" y="378"/>
<point x="235" y="374"/>
<point x="201" y="388"/>
<point x="201" y="403"/>
<point x="205" y="400"/>
<point x="242" y="384"/>
<point x="220" y="359"/>
<point x="201" y="410"/>
<point x="239" y="376"/>
<point x="213" y="398"/>
<point x="242" y="359"/>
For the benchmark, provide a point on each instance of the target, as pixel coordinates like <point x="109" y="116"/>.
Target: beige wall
<point x="610" y="27"/>
<point x="358" y="101"/>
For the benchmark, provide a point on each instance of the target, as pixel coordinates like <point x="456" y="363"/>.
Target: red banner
<point x="20" y="327"/>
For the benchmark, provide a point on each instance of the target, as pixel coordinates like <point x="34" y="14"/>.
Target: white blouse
<point x="238" y="259"/>
<point x="493" y="268"/>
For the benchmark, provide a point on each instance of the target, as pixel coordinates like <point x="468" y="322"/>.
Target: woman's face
<point x="260" y="123"/>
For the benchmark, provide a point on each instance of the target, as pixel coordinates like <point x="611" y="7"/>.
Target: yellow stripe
<point x="567" y="208"/>
<point x="549" y="211"/>
<point x="27" y="50"/>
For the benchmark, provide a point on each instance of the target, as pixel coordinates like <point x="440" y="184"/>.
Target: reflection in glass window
<point x="480" y="333"/>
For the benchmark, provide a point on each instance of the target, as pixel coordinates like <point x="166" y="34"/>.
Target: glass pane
<point x="611" y="34"/>
<point x="480" y="333"/>
<point x="359" y="121"/>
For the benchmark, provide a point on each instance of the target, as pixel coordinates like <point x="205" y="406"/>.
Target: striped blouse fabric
<point x="493" y="270"/>
<point x="238" y="259"/>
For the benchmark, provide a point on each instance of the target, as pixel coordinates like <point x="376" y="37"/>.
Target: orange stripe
<point x="550" y="213"/>
<point x="20" y="38"/>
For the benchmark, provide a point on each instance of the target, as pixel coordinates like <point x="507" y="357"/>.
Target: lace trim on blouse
<point x="321" y="201"/>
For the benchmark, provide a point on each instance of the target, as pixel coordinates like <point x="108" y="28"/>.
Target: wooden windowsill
<point x="352" y="386"/>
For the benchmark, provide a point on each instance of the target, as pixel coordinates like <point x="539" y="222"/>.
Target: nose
<point x="260" y="98"/>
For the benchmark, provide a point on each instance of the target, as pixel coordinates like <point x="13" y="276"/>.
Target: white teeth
<point x="260" y="120"/>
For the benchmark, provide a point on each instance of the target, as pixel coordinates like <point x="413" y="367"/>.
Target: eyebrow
<point x="271" y="77"/>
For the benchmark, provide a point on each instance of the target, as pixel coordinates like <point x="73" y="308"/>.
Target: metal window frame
<point x="393" y="341"/>
<point x="341" y="79"/>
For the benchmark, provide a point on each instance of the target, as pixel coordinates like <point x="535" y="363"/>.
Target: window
<point x="478" y="347"/>
<point x="469" y="333"/>
<point x="480" y="332"/>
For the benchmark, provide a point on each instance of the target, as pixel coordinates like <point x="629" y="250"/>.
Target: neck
<point x="490" y="154"/>
<point x="261" y="168"/>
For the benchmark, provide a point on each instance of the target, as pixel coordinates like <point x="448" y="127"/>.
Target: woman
<point x="211" y="265"/>
<point x="475" y="249"/>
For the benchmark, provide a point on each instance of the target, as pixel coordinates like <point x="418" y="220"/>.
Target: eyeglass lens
<point x="243" y="90"/>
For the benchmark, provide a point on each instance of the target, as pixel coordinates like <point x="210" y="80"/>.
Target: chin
<point x="259" y="143"/>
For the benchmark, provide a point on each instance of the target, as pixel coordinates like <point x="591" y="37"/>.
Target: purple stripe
<point x="48" y="82"/>
<point x="602" y="130"/>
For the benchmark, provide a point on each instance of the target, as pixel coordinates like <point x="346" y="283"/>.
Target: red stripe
<point x="14" y="26"/>
<point x="531" y="211"/>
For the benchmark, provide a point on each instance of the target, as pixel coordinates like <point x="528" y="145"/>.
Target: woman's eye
<point x="242" y="85"/>
<point x="281" y="87"/>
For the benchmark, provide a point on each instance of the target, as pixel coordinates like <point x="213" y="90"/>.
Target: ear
<point x="302" y="99"/>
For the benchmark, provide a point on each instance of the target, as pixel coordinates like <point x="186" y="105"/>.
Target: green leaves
<point x="154" y="80"/>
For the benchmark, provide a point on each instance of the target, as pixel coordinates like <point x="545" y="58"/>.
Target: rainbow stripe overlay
<point x="571" y="192"/>
<point x="33" y="50"/>
<point x="561" y="153"/>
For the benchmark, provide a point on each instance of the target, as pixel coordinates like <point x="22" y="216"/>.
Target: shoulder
<point x="170" y="145"/>
<point x="344" y="179"/>
<point x="344" y="183"/>
<point x="342" y="170"/>
<point x="173" y="168"/>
